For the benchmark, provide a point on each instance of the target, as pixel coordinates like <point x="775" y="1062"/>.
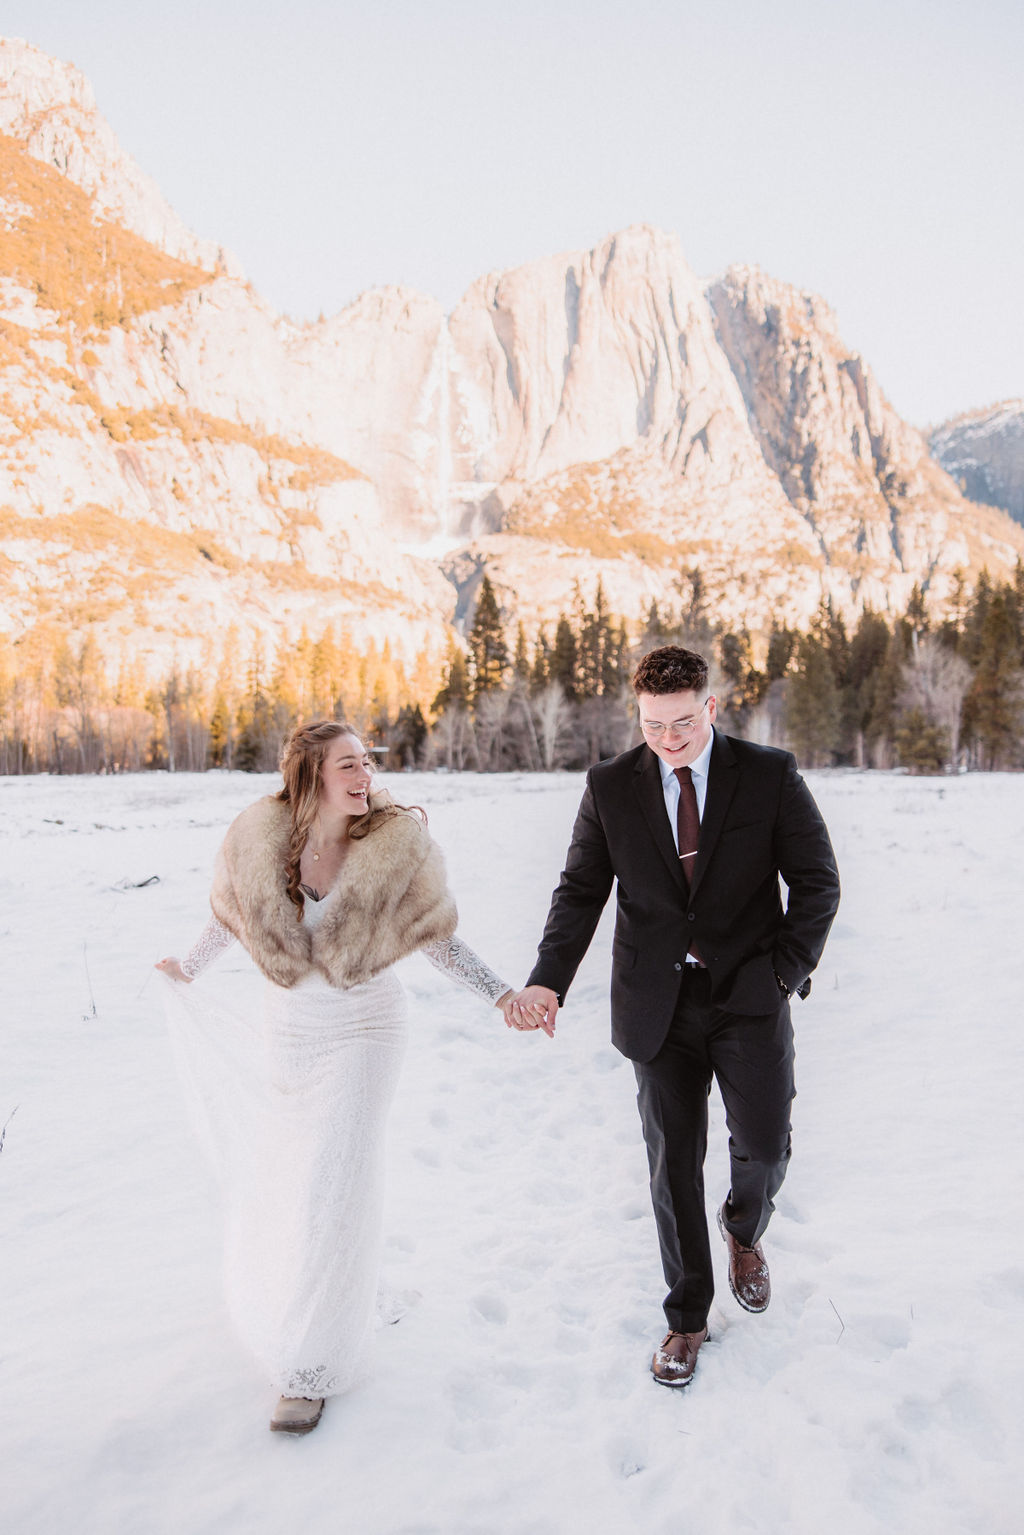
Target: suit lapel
<point x="651" y="797"/>
<point x="723" y="776"/>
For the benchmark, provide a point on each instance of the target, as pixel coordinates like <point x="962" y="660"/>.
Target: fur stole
<point x="391" y="898"/>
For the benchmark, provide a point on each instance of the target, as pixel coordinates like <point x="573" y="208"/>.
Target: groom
<point x="696" y="827"/>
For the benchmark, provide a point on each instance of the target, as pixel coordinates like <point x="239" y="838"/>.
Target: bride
<point x="326" y="884"/>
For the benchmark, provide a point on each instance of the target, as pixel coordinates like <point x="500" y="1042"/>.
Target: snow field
<point x="880" y="1392"/>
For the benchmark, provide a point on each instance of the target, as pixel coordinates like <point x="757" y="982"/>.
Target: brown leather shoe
<point x="296" y="1415"/>
<point x="749" y="1279"/>
<point x="675" y="1358"/>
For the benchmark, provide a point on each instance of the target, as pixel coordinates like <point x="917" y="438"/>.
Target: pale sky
<point x="868" y="151"/>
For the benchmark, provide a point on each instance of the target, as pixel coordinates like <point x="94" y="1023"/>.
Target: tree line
<point x="929" y="693"/>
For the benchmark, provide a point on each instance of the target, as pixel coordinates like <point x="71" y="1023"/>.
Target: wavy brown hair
<point x="302" y="759"/>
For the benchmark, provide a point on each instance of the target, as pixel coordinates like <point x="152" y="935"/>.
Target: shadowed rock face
<point x="593" y="415"/>
<point x="983" y="451"/>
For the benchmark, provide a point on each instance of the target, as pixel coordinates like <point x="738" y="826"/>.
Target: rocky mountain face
<point x="51" y="109"/>
<point x="983" y="451"/>
<point x="637" y="423"/>
<point x="176" y="459"/>
<point x="168" y="463"/>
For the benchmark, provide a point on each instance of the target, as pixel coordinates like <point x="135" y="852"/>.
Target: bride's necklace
<point x="340" y="849"/>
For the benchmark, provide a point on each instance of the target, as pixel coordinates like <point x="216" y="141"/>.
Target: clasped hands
<point x="535" y="1007"/>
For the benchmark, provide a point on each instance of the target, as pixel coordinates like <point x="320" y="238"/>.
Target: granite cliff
<point x="175" y="458"/>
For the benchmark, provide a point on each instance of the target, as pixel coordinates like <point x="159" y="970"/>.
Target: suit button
<point x="679" y="967"/>
<point x="691" y="916"/>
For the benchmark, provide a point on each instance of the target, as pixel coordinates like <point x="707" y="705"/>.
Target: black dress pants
<point x="752" y="1060"/>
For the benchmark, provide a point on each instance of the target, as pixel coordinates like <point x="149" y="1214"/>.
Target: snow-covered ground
<point x="881" y="1391"/>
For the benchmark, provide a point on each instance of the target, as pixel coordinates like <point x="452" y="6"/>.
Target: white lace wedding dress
<point x="291" y="1101"/>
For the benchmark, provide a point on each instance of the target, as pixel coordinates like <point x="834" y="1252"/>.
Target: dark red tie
<point x="687" y="832"/>
<point x="687" y="823"/>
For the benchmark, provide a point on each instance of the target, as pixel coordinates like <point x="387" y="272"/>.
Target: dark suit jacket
<point x="759" y="821"/>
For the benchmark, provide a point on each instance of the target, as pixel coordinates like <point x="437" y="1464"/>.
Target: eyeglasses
<point x="656" y="729"/>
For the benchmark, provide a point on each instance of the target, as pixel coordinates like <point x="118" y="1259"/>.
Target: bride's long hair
<point x="302" y="760"/>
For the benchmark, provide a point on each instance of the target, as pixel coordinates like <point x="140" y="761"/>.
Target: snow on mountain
<point x="983" y="451"/>
<point x="175" y="458"/>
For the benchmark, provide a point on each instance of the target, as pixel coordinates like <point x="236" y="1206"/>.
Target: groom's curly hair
<point x="671" y="669"/>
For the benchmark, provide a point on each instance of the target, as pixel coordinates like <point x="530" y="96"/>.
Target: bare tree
<point x="452" y="742"/>
<point x="553" y="718"/>
<point x="493" y="717"/>
<point x="935" y="681"/>
<point x="527" y="747"/>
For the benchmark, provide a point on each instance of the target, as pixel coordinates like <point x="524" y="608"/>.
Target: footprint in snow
<point x="491" y="1308"/>
<point x="625" y="1456"/>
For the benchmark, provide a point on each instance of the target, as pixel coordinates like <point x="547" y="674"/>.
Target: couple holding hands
<point x="329" y="883"/>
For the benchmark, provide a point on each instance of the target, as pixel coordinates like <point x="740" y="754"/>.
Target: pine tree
<point x="974" y="620"/>
<point x="881" y="702"/>
<point x="348" y="692"/>
<point x="521" y="664"/>
<point x="219" y="747"/>
<point x="952" y="627"/>
<point x="81" y="688"/>
<point x="597" y="662"/>
<point x="407" y="735"/>
<point x="324" y="677"/>
<point x="781" y="645"/>
<point x="921" y="745"/>
<point x="812" y="703"/>
<point x="916" y="616"/>
<point x="868" y="654"/>
<point x="454" y="692"/>
<point x="697" y="629"/>
<point x="616" y="660"/>
<point x="654" y="629"/>
<point x="743" y="682"/>
<point x="562" y="665"/>
<point x="1015" y="604"/>
<point x="487" y="643"/>
<point x="993" y="716"/>
<point x="258" y="742"/>
<point x="540" y="674"/>
<point x="290" y="686"/>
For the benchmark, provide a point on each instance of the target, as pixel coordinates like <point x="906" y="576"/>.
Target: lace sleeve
<point x="213" y="940"/>
<point x="457" y="960"/>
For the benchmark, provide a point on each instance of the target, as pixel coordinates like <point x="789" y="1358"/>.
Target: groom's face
<point x="677" y="726"/>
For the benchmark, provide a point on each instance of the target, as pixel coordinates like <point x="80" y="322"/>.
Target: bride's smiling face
<point x="345" y="776"/>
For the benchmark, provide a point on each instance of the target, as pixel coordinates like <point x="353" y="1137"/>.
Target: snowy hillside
<point x="880" y="1393"/>
<point x="983" y="450"/>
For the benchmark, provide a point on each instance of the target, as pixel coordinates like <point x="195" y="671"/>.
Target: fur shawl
<point x="391" y="898"/>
